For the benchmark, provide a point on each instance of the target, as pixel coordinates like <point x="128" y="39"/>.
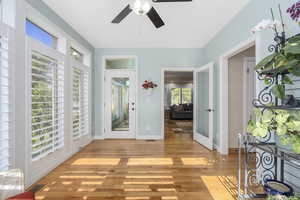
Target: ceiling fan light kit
<point x="144" y="7"/>
<point x="141" y="7"/>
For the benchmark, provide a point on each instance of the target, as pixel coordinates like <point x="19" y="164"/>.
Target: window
<point x="175" y="96"/>
<point x="77" y="55"/>
<point x="80" y="102"/>
<point x="5" y="97"/>
<point x="181" y="96"/>
<point x="186" y="95"/>
<point x="47" y="101"/>
<point x="76" y="102"/>
<point x="40" y="34"/>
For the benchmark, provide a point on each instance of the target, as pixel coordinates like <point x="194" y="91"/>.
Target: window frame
<point x="180" y="95"/>
<point x="55" y="39"/>
<point x="74" y="64"/>
<point x="35" y="45"/>
<point x="9" y="33"/>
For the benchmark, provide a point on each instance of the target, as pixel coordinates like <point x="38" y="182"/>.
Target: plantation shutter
<point x="76" y="103"/>
<point x="80" y="100"/>
<point x="47" y="99"/>
<point x="6" y="128"/>
<point x="85" y="103"/>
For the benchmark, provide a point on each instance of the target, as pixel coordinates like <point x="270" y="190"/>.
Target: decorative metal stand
<point x="258" y="162"/>
<point x="261" y="159"/>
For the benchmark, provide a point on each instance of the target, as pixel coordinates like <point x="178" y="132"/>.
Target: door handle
<point x="209" y="110"/>
<point x="132" y="109"/>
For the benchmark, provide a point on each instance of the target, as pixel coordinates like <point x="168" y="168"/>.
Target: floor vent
<point x="150" y="140"/>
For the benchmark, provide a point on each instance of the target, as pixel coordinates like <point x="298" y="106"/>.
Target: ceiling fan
<point x="144" y="7"/>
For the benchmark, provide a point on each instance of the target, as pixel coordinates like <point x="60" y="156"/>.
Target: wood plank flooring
<point x="174" y="169"/>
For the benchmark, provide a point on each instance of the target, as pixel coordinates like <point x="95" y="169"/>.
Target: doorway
<point x="178" y="105"/>
<point x="241" y="92"/>
<point x="120" y="101"/>
<point x="187" y="104"/>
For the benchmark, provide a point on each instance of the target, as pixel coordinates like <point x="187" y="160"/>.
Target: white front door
<point x="203" y="117"/>
<point x="120" y="104"/>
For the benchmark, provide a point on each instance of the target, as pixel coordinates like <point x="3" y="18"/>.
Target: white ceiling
<point x="188" y="25"/>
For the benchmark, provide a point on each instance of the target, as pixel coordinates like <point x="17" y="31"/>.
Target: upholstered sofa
<point x="182" y="111"/>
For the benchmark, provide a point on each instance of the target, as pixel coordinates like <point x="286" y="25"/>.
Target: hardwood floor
<point x="174" y="169"/>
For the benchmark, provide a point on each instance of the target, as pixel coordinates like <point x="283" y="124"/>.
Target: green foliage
<point x="287" y="60"/>
<point x="286" y="125"/>
<point x="278" y="197"/>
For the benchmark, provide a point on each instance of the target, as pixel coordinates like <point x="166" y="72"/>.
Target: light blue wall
<point x="150" y="63"/>
<point x="238" y="31"/>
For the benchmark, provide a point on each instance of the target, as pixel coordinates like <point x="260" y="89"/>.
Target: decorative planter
<point x="274" y="187"/>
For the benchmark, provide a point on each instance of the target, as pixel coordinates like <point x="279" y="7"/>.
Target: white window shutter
<point x="47" y="99"/>
<point x="6" y="98"/>
<point x="80" y="100"/>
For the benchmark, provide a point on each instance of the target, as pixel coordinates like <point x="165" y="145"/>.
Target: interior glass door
<point x="203" y="132"/>
<point x="120" y="104"/>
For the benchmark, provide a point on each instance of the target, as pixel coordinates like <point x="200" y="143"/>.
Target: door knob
<point x="209" y="110"/>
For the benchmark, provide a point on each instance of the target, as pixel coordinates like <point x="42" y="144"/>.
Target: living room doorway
<point x="178" y="104"/>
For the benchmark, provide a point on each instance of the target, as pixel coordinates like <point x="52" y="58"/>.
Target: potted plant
<point x="286" y="125"/>
<point x="284" y="62"/>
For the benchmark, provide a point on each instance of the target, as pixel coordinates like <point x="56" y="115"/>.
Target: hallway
<point x="142" y="170"/>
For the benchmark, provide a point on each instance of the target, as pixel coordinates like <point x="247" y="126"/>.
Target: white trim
<point x="162" y="100"/>
<point x="103" y="70"/>
<point x="150" y="137"/>
<point x="98" y="137"/>
<point x="223" y="90"/>
<point x="246" y="87"/>
<point x="205" y="141"/>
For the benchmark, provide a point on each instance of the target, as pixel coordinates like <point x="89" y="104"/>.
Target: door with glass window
<point x="120" y="104"/>
<point x="203" y="130"/>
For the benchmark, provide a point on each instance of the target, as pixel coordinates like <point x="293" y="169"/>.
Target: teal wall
<point x="150" y="63"/>
<point x="238" y="31"/>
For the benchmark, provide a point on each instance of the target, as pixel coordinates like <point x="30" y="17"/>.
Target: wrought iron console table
<point x="260" y="161"/>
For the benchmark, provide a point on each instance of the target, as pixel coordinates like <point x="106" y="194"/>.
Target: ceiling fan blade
<point x="126" y="11"/>
<point x="162" y="1"/>
<point x="155" y="18"/>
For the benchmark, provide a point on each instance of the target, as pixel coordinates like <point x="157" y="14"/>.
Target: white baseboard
<point x="149" y="137"/>
<point x="217" y="148"/>
<point x="98" y="137"/>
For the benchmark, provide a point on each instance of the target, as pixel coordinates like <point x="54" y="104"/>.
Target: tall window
<point x="47" y="92"/>
<point x="5" y="96"/>
<point x="47" y="104"/>
<point x="80" y="113"/>
<point x="181" y="96"/>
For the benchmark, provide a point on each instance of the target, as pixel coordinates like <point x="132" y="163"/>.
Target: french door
<point x="120" y="104"/>
<point x="203" y="129"/>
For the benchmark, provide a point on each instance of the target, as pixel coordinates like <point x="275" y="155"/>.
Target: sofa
<point x="182" y="111"/>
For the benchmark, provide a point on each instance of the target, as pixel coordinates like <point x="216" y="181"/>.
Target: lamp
<point x="141" y="7"/>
